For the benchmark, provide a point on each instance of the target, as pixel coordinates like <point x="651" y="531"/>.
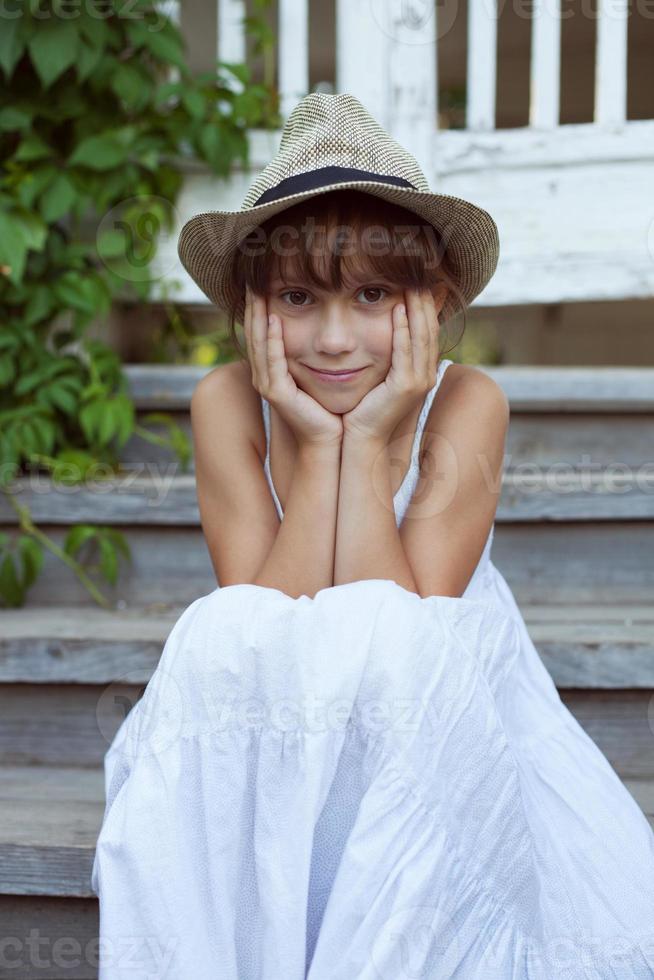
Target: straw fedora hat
<point x="331" y="142"/>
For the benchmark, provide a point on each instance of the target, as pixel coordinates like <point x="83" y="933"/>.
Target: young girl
<point x="346" y="444"/>
<point x="350" y="761"/>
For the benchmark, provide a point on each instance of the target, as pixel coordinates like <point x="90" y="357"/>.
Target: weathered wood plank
<point x="61" y="725"/>
<point x="619" y="722"/>
<point x="230" y="42"/>
<point x="157" y="493"/>
<point x="70" y="725"/>
<point x="361" y="25"/>
<point x="565" y="563"/>
<point x="481" y="66"/>
<point x="582" y="646"/>
<point x="580" y="440"/>
<point x="529" y="388"/>
<point x="36" y="858"/>
<point x="50" y="822"/>
<point x="611" y="63"/>
<point x="545" y="65"/>
<point x="293" y="53"/>
<point x="66" y="930"/>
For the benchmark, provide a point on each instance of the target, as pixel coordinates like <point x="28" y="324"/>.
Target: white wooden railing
<point x="574" y="203"/>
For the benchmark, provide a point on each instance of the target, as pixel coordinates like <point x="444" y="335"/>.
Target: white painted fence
<point x="574" y="203"/>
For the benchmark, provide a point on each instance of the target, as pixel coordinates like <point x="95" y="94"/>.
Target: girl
<point x="350" y="761"/>
<point x="345" y="444"/>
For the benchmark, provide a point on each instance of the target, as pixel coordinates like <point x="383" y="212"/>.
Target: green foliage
<point x="98" y="113"/>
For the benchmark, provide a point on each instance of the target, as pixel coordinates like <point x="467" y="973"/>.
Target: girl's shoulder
<point x="229" y="388"/>
<point x="466" y="390"/>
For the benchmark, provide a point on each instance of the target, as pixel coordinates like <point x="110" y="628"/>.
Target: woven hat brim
<point x="208" y="240"/>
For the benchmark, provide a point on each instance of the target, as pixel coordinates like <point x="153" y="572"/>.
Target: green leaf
<point x="10" y="588"/>
<point x="120" y="541"/>
<point x="90" y="418"/>
<point x="240" y="71"/>
<point x="111" y="243"/>
<point x="53" y="48"/>
<point x="11" y="42"/>
<point x="9" y="339"/>
<point x="7" y="369"/>
<point x="165" y="44"/>
<point x="34" y="230"/>
<point x="57" y="199"/>
<point x="72" y="465"/>
<point x="31" y="553"/>
<point x="165" y="91"/>
<point x="34" y="181"/>
<point x="213" y="145"/>
<point x="46" y="433"/>
<point x="84" y="292"/>
<point x="13" y="246"/>
<point x="124" y="411"/>
<point x="108" y="560"/>
<point x="29" y="435"/>
<point x="78" y="535"/>
<point x="40" y="304"/>
<point x="94" y="28"/>
<point x="195" y="102"/>
<point x="61" y="398"/>
<point x="88" y="58"/>
<point x="32" y="147"/>
<point x="106" y="425"/>
<point x="29" y="380"/>
<point x="12" y="119"/>
<point x="132" y="86"/>
<point x="100" y="152"/>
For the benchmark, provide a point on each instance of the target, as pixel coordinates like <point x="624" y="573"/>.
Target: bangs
<point x="333" y="241"/>
<point x="340" y="239"/>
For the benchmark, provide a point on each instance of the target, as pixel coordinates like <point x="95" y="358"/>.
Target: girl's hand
<point x="412" y="372"/>
<point x="310" y="423"/>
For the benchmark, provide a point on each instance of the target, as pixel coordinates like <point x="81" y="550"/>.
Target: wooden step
<point x="534" y="439"/>
<point x="529" y="388"/>
<point x="166" y="497"/>
<point x="50" y="822"/>
<point x="69" y="676"/>
<point x="589" y="646"/>
<point x="51" y="818"/>
<point x="588" y="538"/>
<point x="558" y="562"/>
<point x="572" y="416"/>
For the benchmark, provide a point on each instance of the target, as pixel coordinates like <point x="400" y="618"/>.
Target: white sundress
<point x="366" y="785"/>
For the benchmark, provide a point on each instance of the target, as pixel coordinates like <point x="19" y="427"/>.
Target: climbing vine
<point x="98" y="113"/>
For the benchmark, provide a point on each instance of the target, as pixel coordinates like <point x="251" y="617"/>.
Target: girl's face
<point x="336" y="331"/>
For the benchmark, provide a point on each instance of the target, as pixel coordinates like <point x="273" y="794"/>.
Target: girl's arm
<point x="246" y="542"/>
<point x="440" y="541"/>
<point x="368" y="544"/>
<point x="301" y="560"/>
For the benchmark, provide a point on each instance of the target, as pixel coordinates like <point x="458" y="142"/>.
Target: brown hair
<point x="404" y="249"/>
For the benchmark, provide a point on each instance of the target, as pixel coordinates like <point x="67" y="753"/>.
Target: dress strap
<point x="443" y="364"/>
<point x="265" y="410"/>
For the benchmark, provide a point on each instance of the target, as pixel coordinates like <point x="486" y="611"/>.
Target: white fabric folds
<point x="364" y="785"/>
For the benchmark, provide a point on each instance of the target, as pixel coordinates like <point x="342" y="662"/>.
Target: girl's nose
<point x="335" y="333"/>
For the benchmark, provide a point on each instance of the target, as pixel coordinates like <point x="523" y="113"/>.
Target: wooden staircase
<point x="574" y="538"/>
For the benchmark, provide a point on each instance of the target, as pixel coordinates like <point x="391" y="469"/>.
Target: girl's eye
<point x="300" y="293"/>
<point x="294" y="292"/>
<point x="372" y="289"/>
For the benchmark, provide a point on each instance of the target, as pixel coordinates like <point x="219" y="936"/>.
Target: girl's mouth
<point x="335" y="375"/>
